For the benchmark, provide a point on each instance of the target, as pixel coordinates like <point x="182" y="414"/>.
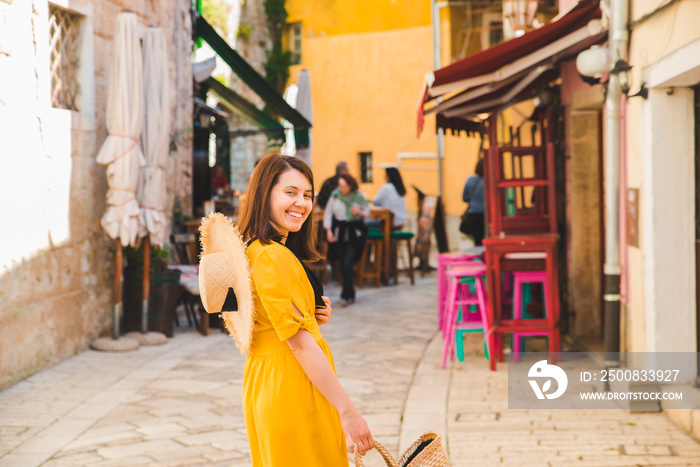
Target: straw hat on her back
<point x="225" y="285"/>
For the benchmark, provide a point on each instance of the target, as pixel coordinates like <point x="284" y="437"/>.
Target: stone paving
<point x="179" y="404"/>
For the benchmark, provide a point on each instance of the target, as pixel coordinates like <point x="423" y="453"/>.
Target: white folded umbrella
<point x="152" y="193"/>
<point x="121" y="152"/>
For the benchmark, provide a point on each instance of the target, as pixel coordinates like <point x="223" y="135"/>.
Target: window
<point x="366" y="171"/>
<point x="495" y="33"/>
<point x="295" y="42"/>
<point x="491" y="30"/>
<point x="64" y="35"/>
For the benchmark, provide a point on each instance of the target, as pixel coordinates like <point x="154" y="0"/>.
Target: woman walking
<point x="343" y="220"/>
<point x="296" y="411"/>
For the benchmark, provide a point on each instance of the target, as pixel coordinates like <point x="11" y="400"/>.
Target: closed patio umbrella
<point x="121" y="153"/>
<point x="305" y="107"/>
<point x="155" y="139"/>
<point x="290" y="96"/>
<point x="299" y="97"/>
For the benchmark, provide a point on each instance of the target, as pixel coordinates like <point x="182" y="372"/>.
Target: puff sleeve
<point x="278" y="285"/>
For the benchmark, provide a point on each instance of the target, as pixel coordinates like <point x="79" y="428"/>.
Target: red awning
<point x="495" y="77"/>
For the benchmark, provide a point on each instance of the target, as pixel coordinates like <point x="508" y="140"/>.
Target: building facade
<point x="366" y="62"/>
<point x="57" y="265"/>
<point x="661" y="167"/>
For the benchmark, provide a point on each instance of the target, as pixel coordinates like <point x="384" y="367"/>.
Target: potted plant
<point x="164" y="290"/>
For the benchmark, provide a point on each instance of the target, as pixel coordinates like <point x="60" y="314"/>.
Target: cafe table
<point x="385" y="215"/>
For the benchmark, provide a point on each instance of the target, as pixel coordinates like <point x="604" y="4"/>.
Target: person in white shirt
<point x="392" y="195"/>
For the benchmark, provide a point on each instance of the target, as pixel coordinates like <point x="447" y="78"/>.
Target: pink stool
<point x="459" y="294"/>
<point x="519" y="279"/>
<point x="444" y="262"/>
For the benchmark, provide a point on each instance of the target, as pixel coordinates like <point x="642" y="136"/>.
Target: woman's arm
<point x="360" y="207"/>
<point x="319" y="370"/>
<point x="328" y="214"/>
<point x="380" y="198"/>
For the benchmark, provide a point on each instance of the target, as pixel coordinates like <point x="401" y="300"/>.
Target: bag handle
<point x="388" y="458"/>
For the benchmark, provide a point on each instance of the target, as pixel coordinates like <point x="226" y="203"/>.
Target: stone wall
<point x="56" y="264"/>
<point x="246" y="150"/>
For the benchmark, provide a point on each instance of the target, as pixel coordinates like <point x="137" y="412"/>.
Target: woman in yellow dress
<point x="296" y="412"/>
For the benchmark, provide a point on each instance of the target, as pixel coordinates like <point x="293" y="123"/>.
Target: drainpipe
<point x="437" y="64"/>
<point x="618" y="36"/>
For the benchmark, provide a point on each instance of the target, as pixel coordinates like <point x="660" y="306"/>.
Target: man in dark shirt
<point x="331" y="184"/>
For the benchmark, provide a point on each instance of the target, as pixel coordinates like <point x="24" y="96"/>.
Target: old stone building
<point x="248" y="34"/>
<point x="56" y="263"/>
<point x="246" y="150"/>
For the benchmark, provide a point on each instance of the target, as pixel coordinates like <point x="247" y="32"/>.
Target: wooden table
<point x="387" y="218"/>
<point x="502" y="255"/>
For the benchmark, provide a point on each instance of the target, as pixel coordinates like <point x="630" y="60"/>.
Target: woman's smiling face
<point x="291" y="202"/>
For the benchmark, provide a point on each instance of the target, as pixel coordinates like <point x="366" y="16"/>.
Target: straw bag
<point x="425" y="452"/>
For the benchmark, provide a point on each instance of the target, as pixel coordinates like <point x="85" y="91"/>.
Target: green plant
<point x="278" y="59"/>
<point x="277" y="66"/>
<point x="216" y="12"/>
<point x="244" y="31"/>
<point x="276" y="16"/>
<point x="134" y="256"/>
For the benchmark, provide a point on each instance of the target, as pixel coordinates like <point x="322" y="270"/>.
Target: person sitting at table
<point x="218" y="179"/>
<point x="345" y="228"/>
<point x="392" y="195"/>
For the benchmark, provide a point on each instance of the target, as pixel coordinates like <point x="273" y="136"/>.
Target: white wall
<point x="668" y="202"/>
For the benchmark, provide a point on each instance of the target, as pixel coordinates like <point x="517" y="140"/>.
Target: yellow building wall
<point x="365" y="99"/>
<point x="367" y="62"/>
<point x="322" y="18"/>
<point x="652" y="40"/>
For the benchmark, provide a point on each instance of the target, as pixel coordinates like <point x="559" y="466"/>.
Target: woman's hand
<point x="356" y="432"/>
<point x="323" y="314"/>
<point x="356" y="212"/>
<point x="329" y="236"/>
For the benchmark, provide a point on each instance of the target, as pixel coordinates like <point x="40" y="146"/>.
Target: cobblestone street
<point x="179" y="404"/>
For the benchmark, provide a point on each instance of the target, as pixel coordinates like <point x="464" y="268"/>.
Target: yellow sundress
<point x="289" y="422"/>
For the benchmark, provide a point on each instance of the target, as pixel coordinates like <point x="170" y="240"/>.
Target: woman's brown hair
<point x="254" y="216"/>
<point x="350" y="180"/>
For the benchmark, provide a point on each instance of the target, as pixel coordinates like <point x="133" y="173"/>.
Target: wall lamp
<point x="594" y="64"/>
<point x="622" y="71"/>
<point x="643" y="92"/>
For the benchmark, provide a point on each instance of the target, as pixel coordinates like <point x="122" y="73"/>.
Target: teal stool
<point x="522" y="295"/>
<point x="396" y="238"/>
<point x="459" y="344"/>
<point x="374" y="234"/>
<point x="527" y="299"/>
